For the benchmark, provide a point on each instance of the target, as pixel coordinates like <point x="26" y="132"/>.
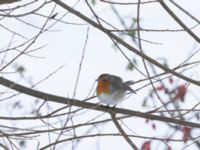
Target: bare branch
<point x="125" y="44"/>
<point x="78" y="103"/>
<point x="8" y="1"/>
<point x="126" y="137"/>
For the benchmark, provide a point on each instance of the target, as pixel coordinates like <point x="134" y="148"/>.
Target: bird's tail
<point x="127" y="83"/>
<point x="130" y="82"/>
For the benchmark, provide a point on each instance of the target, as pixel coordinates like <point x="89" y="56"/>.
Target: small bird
<point x="111" y="89"/>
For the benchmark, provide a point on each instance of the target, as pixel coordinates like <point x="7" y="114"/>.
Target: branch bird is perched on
<point x="8" y="1"/>
<point x="111" y="89"/>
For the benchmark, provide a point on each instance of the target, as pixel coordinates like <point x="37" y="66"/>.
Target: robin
<point x="111" y="89"/>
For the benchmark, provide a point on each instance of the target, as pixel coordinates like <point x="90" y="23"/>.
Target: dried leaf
<point x="186" y="133"/>
<point x="153" y="125"/>
<point x="160" y="88"/>
<point x="168" y="148"/>
<point x="198" y="116"/>
<point x="171" y="81"/>
<point x="180" y="93"/>
<point x="146" y="145"/>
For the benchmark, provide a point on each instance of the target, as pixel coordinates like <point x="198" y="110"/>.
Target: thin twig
<point x="123" y="133"/>
<point x="125" y="44"/>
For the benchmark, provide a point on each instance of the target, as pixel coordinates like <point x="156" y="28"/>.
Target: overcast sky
<point x="65" y="43"/>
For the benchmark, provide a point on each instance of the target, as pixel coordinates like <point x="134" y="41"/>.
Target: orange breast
<point x="102" y="87"/>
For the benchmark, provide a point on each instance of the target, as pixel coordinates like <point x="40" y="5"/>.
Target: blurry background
<point x="44" y="46"/>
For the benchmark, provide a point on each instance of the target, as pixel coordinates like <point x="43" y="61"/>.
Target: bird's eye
<point x="104" y="80"/>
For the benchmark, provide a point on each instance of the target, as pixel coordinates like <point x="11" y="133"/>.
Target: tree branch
<point x="125" y="44"/>
<point x="172" y="14"/>
<point x="8" y="1"/>
<point x="79" y="103"/>
<point x="126" y="137"/>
